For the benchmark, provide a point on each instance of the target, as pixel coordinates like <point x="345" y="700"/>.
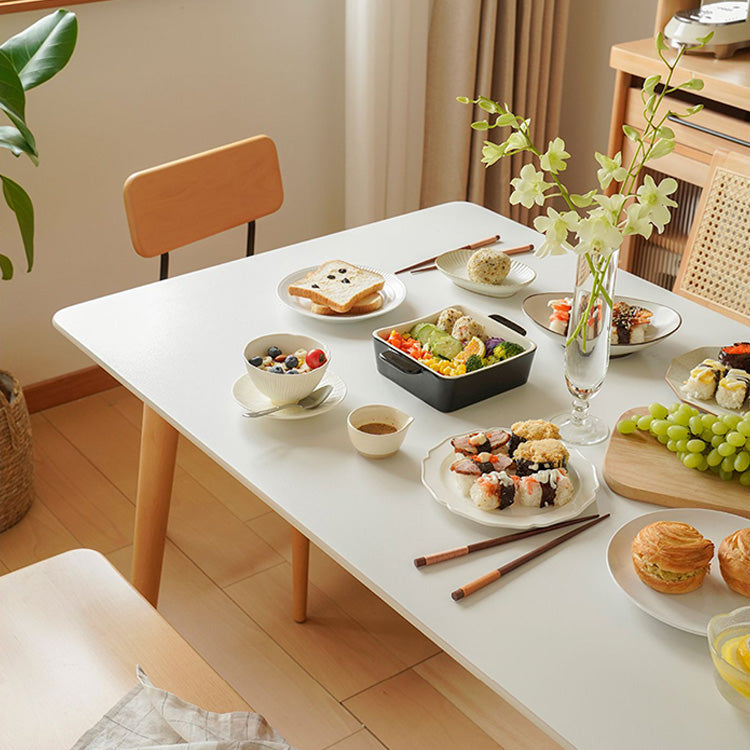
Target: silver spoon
<point x="316" y="398"/>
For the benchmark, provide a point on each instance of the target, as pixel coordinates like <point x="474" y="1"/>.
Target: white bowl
<point x="284" y="389"/>
<point x="377" y="446"/>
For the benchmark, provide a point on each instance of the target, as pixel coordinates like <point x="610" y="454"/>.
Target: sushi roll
<point x="736" y="356"/>
<point x="488" y="441"/>
<point x="494" y="491"/>
<point x="447" y="319"/>
<point x="538" y="455"/>
<point x="733" y="389"/>
<point x="551" y="487"/>
<point x="466" y="470"/>
<point x="531" y="429"/>
<point x="560" y="316"/>
<point x="704" y="379"/>
<point x="630" y="323"/>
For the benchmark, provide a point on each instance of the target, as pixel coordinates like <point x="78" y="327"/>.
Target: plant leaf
<point x="12" y="138"/>
<point x="13" y="101"/>
<point x="6" y="267"/>
<point x="44" y="48"/>
<point x="19" y="202"/>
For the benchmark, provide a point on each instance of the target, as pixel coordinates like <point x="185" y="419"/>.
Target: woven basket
<point x="16" y="453"/>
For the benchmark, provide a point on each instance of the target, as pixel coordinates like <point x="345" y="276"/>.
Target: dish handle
<point x="401" y="362"/>
<point x="508" y="322"/>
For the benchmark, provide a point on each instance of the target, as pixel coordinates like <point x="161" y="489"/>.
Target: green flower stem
<point x="597" y="289"/>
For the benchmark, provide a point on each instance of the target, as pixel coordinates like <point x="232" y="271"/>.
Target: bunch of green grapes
<point x="701" y="441"/>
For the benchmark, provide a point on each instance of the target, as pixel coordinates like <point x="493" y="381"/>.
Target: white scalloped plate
<point x="437" y="478"/>
<point x="453" y="266"/>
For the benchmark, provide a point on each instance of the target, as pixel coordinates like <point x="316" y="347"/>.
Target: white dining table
<point x="557" y="638"/>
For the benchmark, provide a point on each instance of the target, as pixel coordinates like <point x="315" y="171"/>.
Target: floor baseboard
<point x="69" y="387"/>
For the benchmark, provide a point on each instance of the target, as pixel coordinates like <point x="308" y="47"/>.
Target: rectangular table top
<point x="558" y="638"/>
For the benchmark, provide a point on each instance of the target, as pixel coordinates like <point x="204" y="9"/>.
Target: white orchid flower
<point x="492" y="152"/>
<point x="555" y="227"/>
<point x="516" y="142"/>
<point x="637" y="221"/>
<point x="529" y="188"/>
<point x="611" y="205"/>
<point x="611" y="169"/>
<point x="655" y="202"/>
<point x="554" y="159"/>
<point x="597" y="235"/>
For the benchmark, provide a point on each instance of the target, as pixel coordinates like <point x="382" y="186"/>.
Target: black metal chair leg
<point x="250" y="238"/>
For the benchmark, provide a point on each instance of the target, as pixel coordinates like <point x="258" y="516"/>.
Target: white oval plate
<point x="453" y="266"/>
<point x="438" y="479"/>
<point x="393" y="293"/>
<point x="692" y="611"/>
<point x="679" y="371"/>
<point x="665" y="320"/>
<point x="249" y="397"/>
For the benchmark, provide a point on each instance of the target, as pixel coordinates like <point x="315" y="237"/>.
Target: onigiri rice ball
<point x="488" y="266"/>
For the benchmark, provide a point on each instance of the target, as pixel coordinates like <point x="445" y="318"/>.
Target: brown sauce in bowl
<point x="377" y="428"/>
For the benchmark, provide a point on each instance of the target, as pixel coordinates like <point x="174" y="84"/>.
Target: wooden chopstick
<point x="451" y="554"/>
<point x="472" y="246"/>
<point x="469" y="588"/>
<point x="509" y="251"/>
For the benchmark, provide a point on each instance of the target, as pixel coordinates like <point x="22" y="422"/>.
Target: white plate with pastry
<point x="691" y="611"/>
<point x="441" y="483"/>
<point x="371" y="301"/>
<point x="454" y="266"/>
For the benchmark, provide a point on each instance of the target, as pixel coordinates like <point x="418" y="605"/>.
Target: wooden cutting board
<point x="638" y="466"/>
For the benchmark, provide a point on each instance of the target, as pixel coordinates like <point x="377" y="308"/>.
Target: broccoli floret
<point x="507" y="349"/>
<point x="474" y="362"/>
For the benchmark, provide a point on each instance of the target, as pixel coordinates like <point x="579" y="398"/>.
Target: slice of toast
<point x="366" y="305"/>
<point x="337" y="284"/>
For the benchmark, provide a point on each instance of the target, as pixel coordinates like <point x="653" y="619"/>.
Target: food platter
<point x="453" y="266"/>
<point x="679" y="371"/>
<point x="664" y="323"/>
<point x="393" y="293"/>
<point x="692" y="611"/>
<point x="437" y="478"/>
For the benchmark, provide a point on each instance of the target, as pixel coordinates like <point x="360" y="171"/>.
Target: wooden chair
<point x="183" y="201"/>
<point x="72" y="631"/>
<point x="715" y="267"/>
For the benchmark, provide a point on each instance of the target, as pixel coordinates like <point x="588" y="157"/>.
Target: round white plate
<point x="665" y="320"/>
<point x="439" y="480"/>
<point x="393" y="293"/>
<point x="679" y="371"/>
<point x="249" y="397"/>
<point x="692" y="611"/>
<point x="453" y="266"/>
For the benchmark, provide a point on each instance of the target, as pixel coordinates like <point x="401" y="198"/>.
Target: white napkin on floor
<point x="149" y="718"/>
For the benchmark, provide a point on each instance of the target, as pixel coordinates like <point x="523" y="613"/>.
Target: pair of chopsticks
<point x="508" y="251"/>
<point x="472" y="246"/>
<point x="494" y="575"/>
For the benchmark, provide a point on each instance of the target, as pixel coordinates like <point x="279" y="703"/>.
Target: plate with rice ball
<point x="637" y="324"/>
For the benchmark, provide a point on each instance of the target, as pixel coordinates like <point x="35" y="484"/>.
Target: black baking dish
<point x="450" y="393"/>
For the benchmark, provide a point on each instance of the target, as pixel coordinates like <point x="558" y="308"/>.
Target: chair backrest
<point x="183" y="201"/>
<point x="715" y="267"/>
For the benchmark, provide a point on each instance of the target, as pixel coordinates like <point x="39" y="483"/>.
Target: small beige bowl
<point x="377" y="446"/>
<point x="284" y="389"/>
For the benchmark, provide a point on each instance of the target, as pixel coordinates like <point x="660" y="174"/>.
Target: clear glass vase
<point x="587" y="347"/>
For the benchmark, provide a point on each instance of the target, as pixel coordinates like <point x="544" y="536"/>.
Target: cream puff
<point x="671" y="557"/>
<point x="734" y="561"/>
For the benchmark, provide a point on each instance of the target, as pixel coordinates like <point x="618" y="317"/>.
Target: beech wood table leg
<point x="300" y="565"/>
<point x="155" y="474"/>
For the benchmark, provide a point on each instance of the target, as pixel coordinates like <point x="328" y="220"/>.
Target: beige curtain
<point x="510" y="50"/>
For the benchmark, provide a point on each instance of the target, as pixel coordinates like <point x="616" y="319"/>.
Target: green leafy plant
<point x="28" y="59"/>
<point x="595" y="223"/>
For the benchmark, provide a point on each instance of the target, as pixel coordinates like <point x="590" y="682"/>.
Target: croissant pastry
<point x="734" y="561"/>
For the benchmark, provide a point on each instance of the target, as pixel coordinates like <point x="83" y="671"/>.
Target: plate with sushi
<point x="636" y="323"/>
<point x="520" y="477"/>
<point x="713" y="378"/>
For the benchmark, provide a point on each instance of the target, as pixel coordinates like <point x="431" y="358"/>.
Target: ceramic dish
<point x="664" y="323"/>
<point x="393" y="293"/>
<point x="438" y="479"/>
<point x="453" y="266"/>
<point x="679" y="371"/>
<point x="692" y="611"/>
<point x="250" y="398"/>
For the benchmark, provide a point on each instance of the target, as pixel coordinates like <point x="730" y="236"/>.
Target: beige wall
<point x="153" y="80"/>
<point x="595" y="25"/>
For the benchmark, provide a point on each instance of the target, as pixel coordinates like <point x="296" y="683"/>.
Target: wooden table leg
<point x="300" y="565"/>
<point x="155" y="474"/>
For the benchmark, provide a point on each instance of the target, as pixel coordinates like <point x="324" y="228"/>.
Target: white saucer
<point x="249" y="397"/>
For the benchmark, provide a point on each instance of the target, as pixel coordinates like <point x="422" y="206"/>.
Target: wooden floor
<point x="356" y="676"/>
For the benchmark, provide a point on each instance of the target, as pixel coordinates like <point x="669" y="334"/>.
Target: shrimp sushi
<point x="733" y="389"/>
<point x="704" y="379"/>
<point x="560" y="316"/>
<point x="551" y="487"/>
<point x="466" y="470"/>
<point x="494" y="491"/>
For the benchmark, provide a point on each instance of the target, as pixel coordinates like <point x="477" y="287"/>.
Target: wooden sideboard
<point x="724" y="123"/>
